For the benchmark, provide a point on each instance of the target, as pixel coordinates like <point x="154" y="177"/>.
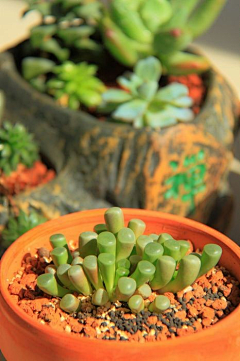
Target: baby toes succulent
<point x="143" y="266"/>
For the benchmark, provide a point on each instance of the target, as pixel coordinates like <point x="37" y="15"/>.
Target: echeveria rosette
<point x="17" y="146"/>
<point x="75" y="85"/>
<point x="141" y="103"/>
<point x="19" y="225"/>
<point x="132" y="30"/>
<point x="122" y="264"/>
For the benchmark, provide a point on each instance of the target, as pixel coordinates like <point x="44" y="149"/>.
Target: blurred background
<point x="222" y="45"/>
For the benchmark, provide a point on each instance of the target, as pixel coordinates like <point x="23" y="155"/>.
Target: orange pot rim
<point x="75" y="339"/>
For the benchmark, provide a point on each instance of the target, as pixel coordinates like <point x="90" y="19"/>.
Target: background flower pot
<point x="179" y="169"/>
<point x="22" y="338"/>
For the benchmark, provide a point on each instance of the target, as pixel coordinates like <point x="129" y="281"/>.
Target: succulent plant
<point x="68" y="31"/>
<point x="76" y="84"/>
<point x="118" y="263"/>
<point x="19" y="225"/>
<point x="135" y="29"/>
<point x="16" y="146"/>
<point x="66" y="25"/>
<point x="140" y="101"/>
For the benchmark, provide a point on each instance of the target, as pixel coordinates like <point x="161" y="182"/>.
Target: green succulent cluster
<point x="67" y="25"/>
<point x="141" y="103"/>
<point x="67" y="32"/>
<point x="133" y="30"/>
<point x="114" y="262"/>
<point x="19" y="225"/>
<point x="16" y="146"/>
<point x="78" y="82"/>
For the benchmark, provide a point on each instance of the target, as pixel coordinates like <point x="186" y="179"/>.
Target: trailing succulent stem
<point x="118" y="263"/>
<point x="140" y="102"/>
<point x="16" y="147"/>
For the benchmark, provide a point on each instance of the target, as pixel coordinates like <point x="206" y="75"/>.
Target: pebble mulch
<point x="211" y="298"/>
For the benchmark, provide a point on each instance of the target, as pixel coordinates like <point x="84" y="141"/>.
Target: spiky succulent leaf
<point x="17" y="226"/>
<point x="16" y="146"/>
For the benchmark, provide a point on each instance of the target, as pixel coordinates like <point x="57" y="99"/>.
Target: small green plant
<point x="16" y="146"/>
<point x="140" y="101"/>
<point x="69" y="31"/>
<point x="67" y="27"/>
<point x="19" y="225"/>
<point x="121" y="263"/>
<point x="76" y="83"/>
<point x="133" y="30"/>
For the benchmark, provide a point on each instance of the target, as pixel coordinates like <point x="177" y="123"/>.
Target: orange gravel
<point x="211" y="298"/>
<point x="24" y="178"/>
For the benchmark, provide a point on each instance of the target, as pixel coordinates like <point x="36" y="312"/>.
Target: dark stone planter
<point x="179" y="169"/>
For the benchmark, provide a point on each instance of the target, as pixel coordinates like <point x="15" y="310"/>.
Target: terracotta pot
<point x="22" y="338"/>
<point x="177" y="170"/>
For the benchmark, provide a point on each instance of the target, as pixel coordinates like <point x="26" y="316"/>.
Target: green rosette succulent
<point x="164" y="28"/>
<point x="17" y="226"/>
<point x="77" y="83"/>
<point x="141" y="103"/>
<point x="16" y="146"/>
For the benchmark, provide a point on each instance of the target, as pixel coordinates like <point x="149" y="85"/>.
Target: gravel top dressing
<point x="211" y="298"/>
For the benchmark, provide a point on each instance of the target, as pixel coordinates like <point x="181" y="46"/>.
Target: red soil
<point x="196" y="87"/>
<point x="24" y="178"/>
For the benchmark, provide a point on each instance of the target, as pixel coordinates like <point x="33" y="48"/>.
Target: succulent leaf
<point x="32" y="67"/>
<point x="128" y="111"/>
<point x="115" y="96"/>
<point x="148" y="69"/>
<point x="181" y="63"/>
<point x="129" y="21"/>
<point x="155" y="13"/>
